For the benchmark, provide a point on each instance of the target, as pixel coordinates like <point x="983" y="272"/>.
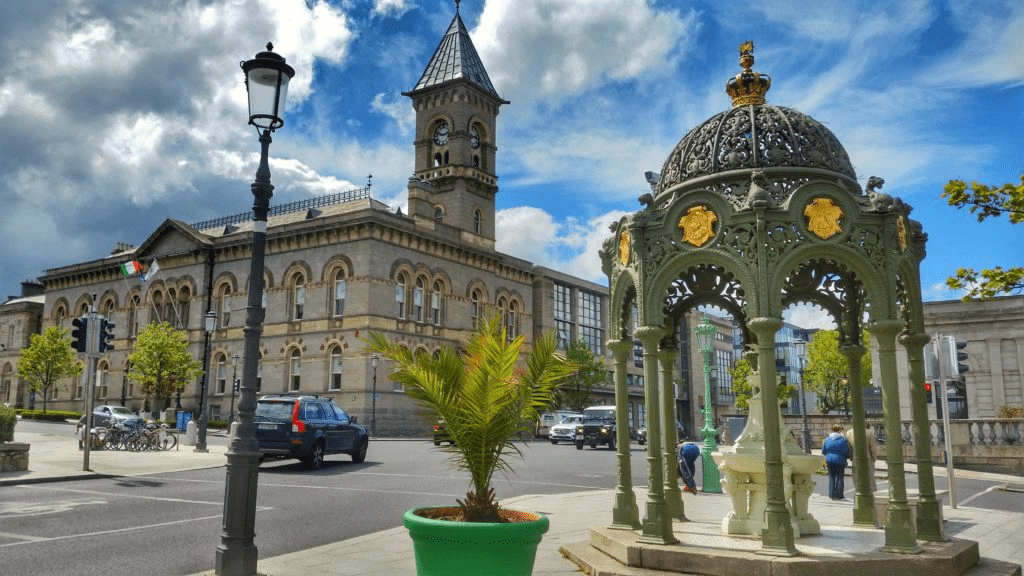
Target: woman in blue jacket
<point x="836" y="451"/>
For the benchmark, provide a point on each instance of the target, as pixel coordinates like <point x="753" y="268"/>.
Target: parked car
<point x="441" y="434"/>
<point x="102" y="415"/>
<point x="566" y="429"/>
<point x="641" y="434"/>
<point x="307" y="427"/>
<point x="597" y="428"/>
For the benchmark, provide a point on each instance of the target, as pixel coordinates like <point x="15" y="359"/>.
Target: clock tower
<point x="455" y="181"/>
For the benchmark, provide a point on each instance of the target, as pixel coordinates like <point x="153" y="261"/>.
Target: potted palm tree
<point x="487" y="397"/>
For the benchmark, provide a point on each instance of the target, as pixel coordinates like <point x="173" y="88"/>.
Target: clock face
<point x="441" y="134"/>
<point x="474" y="137"/>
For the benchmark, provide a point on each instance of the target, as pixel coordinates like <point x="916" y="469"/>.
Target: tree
<point x="826" y="371"/>
<point x="743" y="390"/>
<point x="574" y="391"/>
<point x="161" y="363"/>
<point x="48" y="359"/>
<point x="987" y="202"/>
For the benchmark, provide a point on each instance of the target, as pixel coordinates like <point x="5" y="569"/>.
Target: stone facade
<point x="20" y="318"/>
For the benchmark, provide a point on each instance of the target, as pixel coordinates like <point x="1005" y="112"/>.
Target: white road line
<point x="122" y="495"/>
<point x="986" y="491"/>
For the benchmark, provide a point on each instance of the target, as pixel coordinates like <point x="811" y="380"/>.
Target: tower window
<point x="438" y="214"/>
<point x="477" y="222"/>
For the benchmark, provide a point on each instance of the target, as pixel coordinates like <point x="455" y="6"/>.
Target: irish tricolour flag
<point x="129" y="268"/>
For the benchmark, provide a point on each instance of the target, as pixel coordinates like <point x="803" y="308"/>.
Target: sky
<point x="118" y="114"/>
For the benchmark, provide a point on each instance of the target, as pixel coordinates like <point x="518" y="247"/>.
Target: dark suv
<point x="307" y="427"/>
<point x="598" y="427"/>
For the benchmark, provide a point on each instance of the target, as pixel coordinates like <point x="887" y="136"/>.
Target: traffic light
<point x="928" y="391"/>
<point x="958" y="356"/>
<point x="238" y="384"/>
<point x="106" y="336"/>
<point x="79" y="333"/>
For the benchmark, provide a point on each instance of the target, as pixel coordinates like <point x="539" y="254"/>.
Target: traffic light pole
<point x="941" y="394"/>
<point x="91" y="345"/>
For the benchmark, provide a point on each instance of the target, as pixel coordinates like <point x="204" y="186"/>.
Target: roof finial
<point x="748" y="87"/>
<point x="457" y="6"/>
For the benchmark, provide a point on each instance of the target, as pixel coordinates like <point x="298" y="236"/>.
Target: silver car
<point x="566" y="429"/>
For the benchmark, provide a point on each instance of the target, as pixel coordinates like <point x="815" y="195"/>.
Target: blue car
<point x="307" y="427"/>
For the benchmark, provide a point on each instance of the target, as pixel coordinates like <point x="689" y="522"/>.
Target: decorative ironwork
<point x="316" y="202"/>
<point x="705" y="284"/>
<point x="833" y="287"/>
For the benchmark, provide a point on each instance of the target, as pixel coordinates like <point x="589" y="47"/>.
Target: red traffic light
<point x="927" y="386"/>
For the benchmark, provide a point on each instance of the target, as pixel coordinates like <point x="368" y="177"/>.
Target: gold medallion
<point x="823" y="218"/>
<point x="698" y="225"/>
<point x="624" y="247"/>
<point x="901" y="233"/>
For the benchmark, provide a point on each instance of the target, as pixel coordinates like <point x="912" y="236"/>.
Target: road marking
<point x="118" y="530"/>
<point x="121" y="495"/>
<point x="983" y="492"/>
<point x="14" y="509"/>
<point x="22" y="537"/>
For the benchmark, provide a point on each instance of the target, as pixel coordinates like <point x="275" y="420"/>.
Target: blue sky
<point x="119" y="114"/>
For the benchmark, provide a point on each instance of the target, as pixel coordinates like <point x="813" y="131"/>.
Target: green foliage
<point x="826" y="372"/>
<point x="48" y="359"/>
<point x="743" y="389"/>
<point x="574" y="391"/>
<point x="1009" y="412"/>
<point x="8" y="418"/>
<point x="160" y="361"/>
<point x="987" y="202"/>
<point x="485" y="395"/>
<point x="51" y="416"/>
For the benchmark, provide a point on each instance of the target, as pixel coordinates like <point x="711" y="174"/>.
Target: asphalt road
<point x="170" y="523"/>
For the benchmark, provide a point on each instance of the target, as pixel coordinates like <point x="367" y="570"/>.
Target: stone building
<point x="20" y="318"/>
<point x="338" y="267"/>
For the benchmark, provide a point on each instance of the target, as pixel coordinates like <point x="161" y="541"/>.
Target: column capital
<point x="852" y="351"/>
<point x="765" y="326"/>
<point x="619" y="346"/>
<point x="650" y="336"/>
<point x="918" y="339"/>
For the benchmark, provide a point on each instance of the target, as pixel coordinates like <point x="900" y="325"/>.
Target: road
<point x="170" y="523"/>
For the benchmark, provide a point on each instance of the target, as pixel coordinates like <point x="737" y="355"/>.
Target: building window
<point x="435" y="304"/>
<point x="225" y="305"/>
<point x="638" y="354"/>
<point x="295" y="371"/>
<point x="474" y="307"/>
<point x="335" y="383"/>
<point x="417" y="300"/>
<point x="438" y="214"/>
<point x="259" y="374"/>
<point x="222" y="375"/>
<point x="400" y="296"/>
<point x="477" y="222"/>
<point x="298" y="298"/>
<point x="340" y="287"/>
<point x="590" y="321"/>
<point x="563" y="315"/>
<point x="722" y="364"/>
<point x="102" y="380"/>
<point x="512" y="320"/>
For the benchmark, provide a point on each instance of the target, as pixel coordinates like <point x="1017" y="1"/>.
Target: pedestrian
<point x="688" y="454"/>
<point x="836" y="451"/>
<point x="872" y="446"/>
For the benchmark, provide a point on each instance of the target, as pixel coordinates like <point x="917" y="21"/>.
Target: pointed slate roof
<point x="455" y="58"/>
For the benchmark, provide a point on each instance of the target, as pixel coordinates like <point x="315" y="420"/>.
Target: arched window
<point x="102" y="380"/>
<point x="417" y="301"/>
<point x="133" y="315"/>
<point x="60" y="314"/>
<point x="156" y="303"/>
<point x="477" y="222"/>
<point x="335" y="383"/>
<point x="512" y="320"/>
<point x="224" y="305"/>
<point x="474" y="307"/>
<point x="438" y="214"/>
<point x="437" y="160"/>
<point x="170" y="311"/>
<point x="5" y="384"/>
<point x="400" y="296"/>
<point x="295" y="371"/>
<point x="435" y="304"/>
<point x="298" y="297"/>
<point x="340" y="287"/>
<point x="222" y="374"/>
<point x="259" y="374"/>
<point x="184" y="296"/>
<point x="129" y="385"/>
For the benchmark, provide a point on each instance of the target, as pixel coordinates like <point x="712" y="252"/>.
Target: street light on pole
<point x="211" y="325"/>
<point x="266" y="81"/>
<point x="805" y="431"/>
<point x="374" y="361"/>
<point x="705" y="343"/>
<point x="234" y="384"/>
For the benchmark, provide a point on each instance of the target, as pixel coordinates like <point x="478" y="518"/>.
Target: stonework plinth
<point x="13" y="457"/>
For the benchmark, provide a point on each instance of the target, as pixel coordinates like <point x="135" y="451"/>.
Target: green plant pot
<point x="448" y="548"/>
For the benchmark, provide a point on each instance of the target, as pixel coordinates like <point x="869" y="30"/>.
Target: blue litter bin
<point x="183" y="418"/>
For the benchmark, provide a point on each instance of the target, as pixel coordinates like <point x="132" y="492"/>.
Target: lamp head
<point x="266" y="80"/>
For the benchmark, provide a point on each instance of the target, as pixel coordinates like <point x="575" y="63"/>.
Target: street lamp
<point x="266" y="80"/>
<point x="705" y="343"/>
<point x="374" y="361"/>
<point x="805" y="432"/>
<point x="211" y="325"/>
<point x="234" y="384"/>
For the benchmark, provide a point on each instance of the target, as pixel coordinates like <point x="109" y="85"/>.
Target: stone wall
<point x="13" y="457"/>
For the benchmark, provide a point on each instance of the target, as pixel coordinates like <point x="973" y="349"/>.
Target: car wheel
<point x="437" y="443"/>
<point x="316" y="459"/>
<point x="554" y="441"/>
<point x="360" y="454"/>
<point x="579" y="445"/>
<point x="611" y="443"/>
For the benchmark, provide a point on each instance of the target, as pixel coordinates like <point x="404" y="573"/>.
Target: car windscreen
<point x="275" y="410"/>
<point x="123" y="411"/>
<point x="599" y="415"/>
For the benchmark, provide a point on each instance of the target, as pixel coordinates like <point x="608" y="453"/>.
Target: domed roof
<point x="756" y="136"/>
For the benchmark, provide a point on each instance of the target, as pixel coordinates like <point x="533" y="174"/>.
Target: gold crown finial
<point x="748" y="87"/>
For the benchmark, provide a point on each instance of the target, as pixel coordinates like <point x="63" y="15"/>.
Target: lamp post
<point x="266" y="80"/>
<point x="211" y="325"/>
<point x="374" y="361"/>
<point x="805" y="432"/>
<point x="234" y="382"/>
<point x="705" y="343"/>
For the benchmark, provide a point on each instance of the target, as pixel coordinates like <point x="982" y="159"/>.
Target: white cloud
<point x="392" y="8"/>
<point x="397" y="108"/>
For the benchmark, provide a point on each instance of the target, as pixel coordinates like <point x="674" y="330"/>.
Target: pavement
<point x="52" y="457"/>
